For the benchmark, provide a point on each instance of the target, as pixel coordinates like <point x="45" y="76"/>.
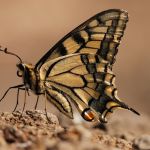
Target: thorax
<point x="32" y="80"/>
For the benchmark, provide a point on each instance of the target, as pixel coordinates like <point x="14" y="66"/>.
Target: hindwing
<point x="86" y="80"/>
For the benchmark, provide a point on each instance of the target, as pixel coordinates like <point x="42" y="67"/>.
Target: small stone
<point x="142" y="142"/>
<point x="9" y="134"/>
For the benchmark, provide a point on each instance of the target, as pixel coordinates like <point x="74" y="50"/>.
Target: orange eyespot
<point x="19" y="73"/>
<point x="88" y="115"/>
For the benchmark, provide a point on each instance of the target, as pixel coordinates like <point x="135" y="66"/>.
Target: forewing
<point x="87" y="80"/>
<point x="101" y="34"/>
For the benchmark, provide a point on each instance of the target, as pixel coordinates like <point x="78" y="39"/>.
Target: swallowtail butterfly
<point x="78" y="68"/>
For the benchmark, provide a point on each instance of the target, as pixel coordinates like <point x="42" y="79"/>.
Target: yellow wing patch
<point x="93" y="44"/>
<point x="71" y="45"/>
<point x="68" y="79"/>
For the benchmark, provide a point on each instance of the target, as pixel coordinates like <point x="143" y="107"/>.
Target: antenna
<point x="5" y="51"/>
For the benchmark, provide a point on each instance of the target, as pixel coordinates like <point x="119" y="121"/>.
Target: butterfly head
<point x="27" y="73"/>
<point x="21" y="67"/>
<point x="24" y="69"/>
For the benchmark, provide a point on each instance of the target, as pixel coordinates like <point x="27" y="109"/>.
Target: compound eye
<point x="19" y="73"/>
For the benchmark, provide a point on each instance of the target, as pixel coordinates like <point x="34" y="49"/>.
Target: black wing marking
<point x="101" y="34"/>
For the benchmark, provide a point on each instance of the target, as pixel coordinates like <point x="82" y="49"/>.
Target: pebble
<point x="142" y="142"/>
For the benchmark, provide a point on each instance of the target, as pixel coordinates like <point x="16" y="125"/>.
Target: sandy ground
<point x="33" y="131"/>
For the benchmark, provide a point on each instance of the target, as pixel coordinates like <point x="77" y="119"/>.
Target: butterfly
<point x="78" y="68"/>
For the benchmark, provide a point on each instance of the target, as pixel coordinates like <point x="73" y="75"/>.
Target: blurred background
<point x="30" y="28"/>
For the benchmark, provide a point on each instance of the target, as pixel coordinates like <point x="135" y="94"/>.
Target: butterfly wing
<point x="101" y="34"/>
<point x="85" y="79"/>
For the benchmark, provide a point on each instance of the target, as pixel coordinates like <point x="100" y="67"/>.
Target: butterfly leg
<point x="36" y="102"/>
<point x="25" y="95"/>
<point x="13" y="87"/>
<point x="46" y="109"/>
<point x="18" y="98"/>
<point x="17" y="101"/>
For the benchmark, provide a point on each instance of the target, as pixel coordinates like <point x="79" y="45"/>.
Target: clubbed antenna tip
<point x="5" y="51"/>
